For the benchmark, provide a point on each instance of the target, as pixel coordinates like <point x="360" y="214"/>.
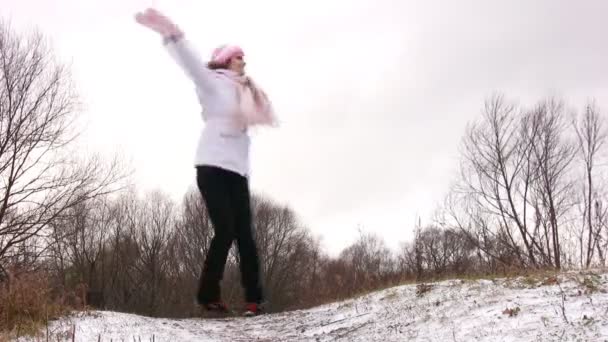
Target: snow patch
<point x="571" y="307"/>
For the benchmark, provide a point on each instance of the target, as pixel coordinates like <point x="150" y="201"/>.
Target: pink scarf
<point x="256" y="108"/>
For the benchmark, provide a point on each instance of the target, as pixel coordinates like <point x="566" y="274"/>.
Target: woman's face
<point x="237" y="64"/>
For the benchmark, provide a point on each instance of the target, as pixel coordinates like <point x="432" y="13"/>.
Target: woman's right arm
<point x="187" y="58"/>
<point x="178" y="47"/>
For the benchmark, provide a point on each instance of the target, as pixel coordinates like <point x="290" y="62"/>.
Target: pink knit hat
<point x="224" y="53"/>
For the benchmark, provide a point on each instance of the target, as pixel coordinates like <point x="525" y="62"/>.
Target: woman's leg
<point x="214" y="185"/>
<point x="249" y="261"/>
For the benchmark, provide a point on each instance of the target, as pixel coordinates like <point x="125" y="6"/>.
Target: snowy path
<point x="456" y="310"/>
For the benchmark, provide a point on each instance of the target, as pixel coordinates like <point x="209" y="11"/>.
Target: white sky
<point x="373" y="95"/>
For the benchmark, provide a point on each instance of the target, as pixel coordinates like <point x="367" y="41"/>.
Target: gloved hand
<point x="158" y="22"/>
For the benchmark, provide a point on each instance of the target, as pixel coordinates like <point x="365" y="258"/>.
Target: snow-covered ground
<point x="521" y="309"/>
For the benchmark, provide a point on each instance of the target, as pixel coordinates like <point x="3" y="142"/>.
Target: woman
<point x="232" y="103"/>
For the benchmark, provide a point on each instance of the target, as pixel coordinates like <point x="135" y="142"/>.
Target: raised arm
<point x="187" y="58"/>
<point x="179" y="48"/>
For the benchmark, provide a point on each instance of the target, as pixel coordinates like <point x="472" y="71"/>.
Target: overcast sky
<point x="373" y="95"/>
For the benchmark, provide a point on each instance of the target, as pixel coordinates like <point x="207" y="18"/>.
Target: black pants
<point x="226" y="195"/>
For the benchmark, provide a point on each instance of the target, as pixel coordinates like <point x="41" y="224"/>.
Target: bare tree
<point x="194" y="232"/>
<point x="41" y="178"/>
<point x="122" y="254"/>
<point x="286" y="251"/>
<point x="369" y="263"/>
<point x="516" y="183"/>
<point x="156" y="224"/>
<point x="591" y="133"/>
<point x="88" y="231"/>
<point x="553" y="153"/>
<point x="187" y="251"/>
<point x="601" y="219"/>
<point x="497" y="173"/>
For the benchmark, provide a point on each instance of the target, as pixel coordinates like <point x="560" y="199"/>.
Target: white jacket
<point x="223" y="142"/>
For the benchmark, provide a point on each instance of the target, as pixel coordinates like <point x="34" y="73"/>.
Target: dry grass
<point x="26" y="306"/>
<point x="423" y="288"/>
